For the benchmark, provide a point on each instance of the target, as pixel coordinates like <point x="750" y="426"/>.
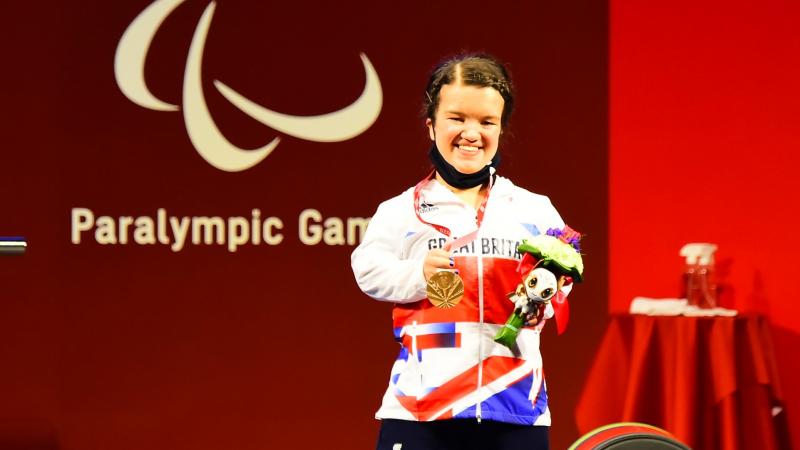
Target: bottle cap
<point x="701" y="253"/>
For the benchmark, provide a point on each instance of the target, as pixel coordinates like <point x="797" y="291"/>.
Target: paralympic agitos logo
<point x="204" y="134"/>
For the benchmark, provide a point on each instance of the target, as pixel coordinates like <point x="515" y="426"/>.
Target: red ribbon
<point x="464" y="240"/>
<point x="560" y="311"/>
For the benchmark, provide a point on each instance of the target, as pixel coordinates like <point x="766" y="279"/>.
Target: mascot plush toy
<point x="550" y="262"/>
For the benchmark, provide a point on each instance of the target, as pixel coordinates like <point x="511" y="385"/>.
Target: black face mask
<point x="457" y="179"/>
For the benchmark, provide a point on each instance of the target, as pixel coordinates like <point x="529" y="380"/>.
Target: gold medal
<point x="445" y="289"/>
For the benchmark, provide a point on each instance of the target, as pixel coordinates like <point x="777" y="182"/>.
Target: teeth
<point x="468" y="148"/>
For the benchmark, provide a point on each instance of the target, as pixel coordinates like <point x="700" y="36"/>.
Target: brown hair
<point x="472" y="70"/>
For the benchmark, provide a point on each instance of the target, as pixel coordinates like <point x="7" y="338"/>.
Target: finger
<point x="440" y="259"/>
<point x="432" y="266"/>
<point x="441" y="262"/>
<point x="441" y="252"/>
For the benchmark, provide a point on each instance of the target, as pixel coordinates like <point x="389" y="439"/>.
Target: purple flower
<point x="574" y="241"/>
<point x="555" y="232"/>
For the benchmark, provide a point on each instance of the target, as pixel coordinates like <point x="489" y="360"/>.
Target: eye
<point x="455" y="119"/>
<point x="532" y="282"/>
<point x="488" y="123"/>
<point x="547" y="293"/>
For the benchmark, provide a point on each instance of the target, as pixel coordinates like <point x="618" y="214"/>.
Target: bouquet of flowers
<point x="550" y="262"/>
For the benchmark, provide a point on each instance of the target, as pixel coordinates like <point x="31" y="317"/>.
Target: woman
<point x="452" y="386"/>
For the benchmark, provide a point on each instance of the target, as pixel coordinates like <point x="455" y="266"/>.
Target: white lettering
<point x="271" y="237"/>
<point x="162" y="226"/>
<point x="233" y="232"/>
<point x="180" y="230"/>
<point x="124" y="223"/>
<point x="310" y="234"/>
<point x="238" y="232"/>
<point x="208" y="225"/>
<point x="356" y="227"/>
<point x="82" y="220"/>
<point x="334" y="231"/>
<point x="144" y="233"/>
<point x="105" y="233"/>
<point x="256" y="227"/>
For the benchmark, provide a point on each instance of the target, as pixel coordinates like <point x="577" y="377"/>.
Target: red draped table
<point x="710" y="381"/>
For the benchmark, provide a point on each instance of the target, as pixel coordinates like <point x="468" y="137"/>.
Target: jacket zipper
<point x="480" y="330"/>
<point x="414" y="351"/>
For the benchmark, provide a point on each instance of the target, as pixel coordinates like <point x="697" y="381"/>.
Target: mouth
<point x="469" y="149"/>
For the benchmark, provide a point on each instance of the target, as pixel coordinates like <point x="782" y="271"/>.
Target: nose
<point x="470" y="132"/>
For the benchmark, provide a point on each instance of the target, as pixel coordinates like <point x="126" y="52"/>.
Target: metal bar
<point x="12" y="245"/>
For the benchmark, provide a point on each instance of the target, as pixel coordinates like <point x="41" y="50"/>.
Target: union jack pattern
<point x="438" y="374"/>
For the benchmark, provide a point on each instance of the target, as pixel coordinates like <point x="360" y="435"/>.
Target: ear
<point x="429" y="124"/>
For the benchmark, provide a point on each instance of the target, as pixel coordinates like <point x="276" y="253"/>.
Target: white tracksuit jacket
<point x="449" y="365"/>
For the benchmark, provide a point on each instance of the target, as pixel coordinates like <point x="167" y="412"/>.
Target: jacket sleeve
<point x="551" y="219"/>
<point x="380" y="268"/>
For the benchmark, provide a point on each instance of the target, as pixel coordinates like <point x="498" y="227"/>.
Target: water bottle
<point x="700" y="287"/>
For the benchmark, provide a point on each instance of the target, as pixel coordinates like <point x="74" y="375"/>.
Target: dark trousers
<point x="461" y="434"/>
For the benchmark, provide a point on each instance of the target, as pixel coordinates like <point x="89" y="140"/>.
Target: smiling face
<point x="467" y="124"/>
<point x="541" y="285"/>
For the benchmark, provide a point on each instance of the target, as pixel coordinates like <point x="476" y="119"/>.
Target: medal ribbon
<point x="464" y="240"/>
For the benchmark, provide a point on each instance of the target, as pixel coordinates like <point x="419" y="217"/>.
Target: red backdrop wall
<point x="129" y="346"/>
<point x="704" y="115"/>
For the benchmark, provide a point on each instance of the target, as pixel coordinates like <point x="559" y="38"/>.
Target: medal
<point x="445" y="289"/>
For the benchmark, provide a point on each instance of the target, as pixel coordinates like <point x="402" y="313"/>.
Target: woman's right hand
<point x="437" y="259"/>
